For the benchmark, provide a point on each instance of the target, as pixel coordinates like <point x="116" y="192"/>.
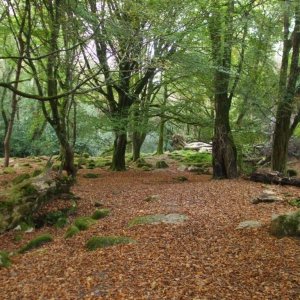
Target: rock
<point x="249" y="224"/>
<point x="180" y="178"/>
<point x="267" y="196"/>
<point x="161" y="164"/>
<point x="152" y="198"/>
<point x="195" y="169"/>
<point x="182" y="168"/>
<point x="199" y="146"/>
<point x="159" y="218"/>
<point x="286" y="225"/>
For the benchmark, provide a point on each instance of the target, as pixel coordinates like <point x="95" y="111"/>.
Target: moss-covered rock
<point x="161" y="164"/>
<point x="107" y="241"/>
<point x="295" y="202"/>
<point x="100" y="213"/>
<point x="4" y="259"/>
<point x="286" y="225"/>
<point x="36" y="243"/>
<point x="83" y="223"/>
<point x="71" y="231"/>
<point x="159" y="218"/>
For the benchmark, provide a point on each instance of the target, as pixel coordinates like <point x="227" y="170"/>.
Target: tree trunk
<point x="224" y="150"/>
<point x="118" y="161"/>
<point x="287" y="90"/>
<point x="137" y="142"/>
<point x="160" y="145"/>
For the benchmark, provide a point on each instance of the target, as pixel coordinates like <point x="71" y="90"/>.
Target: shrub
<point x="106" y="241"/>
<point x="36" y="243"/>
<point x="100" y="213"/>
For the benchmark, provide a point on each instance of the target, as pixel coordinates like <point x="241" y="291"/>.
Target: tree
<point x="289" y="75"/>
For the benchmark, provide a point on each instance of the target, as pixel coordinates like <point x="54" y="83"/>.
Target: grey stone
<point x="249" y="224"/>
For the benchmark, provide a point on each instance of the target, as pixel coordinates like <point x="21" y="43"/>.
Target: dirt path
<point x="205" y="257"/>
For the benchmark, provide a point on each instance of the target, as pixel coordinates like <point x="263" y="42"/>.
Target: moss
<point x="9" y="170"/>
<point x="100" y="213"/>
<point x="36" y="243"/>
<point x="26" y="165"/>
<point x="57" y="218"/>
<point x="295" y="202"/>
<point x="37" y="172"/>
<point x="107" y="241"/>
<point x="83" y="223"/>
<point x="91" y="164"/>
<point x="161" y="164"/>
<point x="91" y="175"/>
<point x="71" y="231"/>
<point x="20" y="178"/>
<point x="292" y="173"/>
<point x="286" y="225"/>
<point x="143" y="220"/>
<point x="4" y="259"/>
<point x="189" y="157"/>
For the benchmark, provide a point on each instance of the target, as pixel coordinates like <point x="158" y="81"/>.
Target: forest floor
<point x="204" y="257"/>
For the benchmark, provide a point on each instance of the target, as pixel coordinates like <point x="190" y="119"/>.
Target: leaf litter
<point x="204" y="257"/>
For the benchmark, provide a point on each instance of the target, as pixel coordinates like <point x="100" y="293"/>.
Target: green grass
<point x="107" y="241"/>
<point x="83" y="223"/>
<point x="4" y="259"/>
<point x="100" y="213"/>
<point x="36" y="243"/>
<point x="71" y="231"/>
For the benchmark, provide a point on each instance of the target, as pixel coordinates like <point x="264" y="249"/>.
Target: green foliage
<point x="36" y="243"/>
<point x="107" y="241"/>
<point x="71" y="231"/>
<point x="83" y="223"/>
<point x="100" y="213"/>
<point x="4" y="259"/>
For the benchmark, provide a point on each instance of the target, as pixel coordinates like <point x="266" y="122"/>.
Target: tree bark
<point x="118" y="160"/>
<point x="160" y="145"/>
<point x="137" y="142"/>
<point x="287" y="90"/>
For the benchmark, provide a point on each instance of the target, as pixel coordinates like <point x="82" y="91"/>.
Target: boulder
<point x="286" y="225"/>
<point x="249" y="224"/>
<point x="267" y="196"/>
<point x="161" y="164"/>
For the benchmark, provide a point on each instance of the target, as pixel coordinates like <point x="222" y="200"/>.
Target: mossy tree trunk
<point x="289" y="75"/>
<point x="118" y="160"/>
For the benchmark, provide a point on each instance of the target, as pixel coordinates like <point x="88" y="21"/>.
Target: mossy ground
<point x="83" y="223"/>
<point x="100" y="213"/>
<point x="36" y="243"/>
<point x="4" y="259"/>
<point x="189" y="158"/>
<point x="107" y="241"/>
<point x="71" y="231"/>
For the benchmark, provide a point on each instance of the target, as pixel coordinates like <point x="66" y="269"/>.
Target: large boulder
<point x="22" y="200"/>
<point x="286" y="225"/>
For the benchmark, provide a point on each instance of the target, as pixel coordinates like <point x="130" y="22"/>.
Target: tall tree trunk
<point x="224" y="150"/>
<point x="118" y="160"/>
<point x="160" y="145"/>
<point x="287" y="90"/>
<point x="137" y="142"/>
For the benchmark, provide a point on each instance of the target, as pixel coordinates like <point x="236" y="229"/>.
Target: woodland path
<point x="205" y="257"/>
